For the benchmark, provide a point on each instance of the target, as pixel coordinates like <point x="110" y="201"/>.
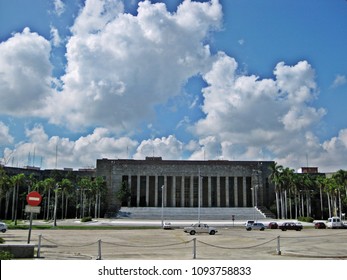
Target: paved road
<point x="230" y="243"/>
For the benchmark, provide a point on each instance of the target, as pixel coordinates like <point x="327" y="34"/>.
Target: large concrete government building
<point x="155" y="182"/>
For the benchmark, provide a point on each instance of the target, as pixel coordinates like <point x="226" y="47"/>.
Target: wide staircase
<point x="188" y="213"/>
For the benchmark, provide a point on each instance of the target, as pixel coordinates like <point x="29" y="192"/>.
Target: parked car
<point x="272" y="225"/>
<point x="167" y="225"/>
<point x="290" y="226"/>
<point x="319" y="225"/>
<point x="200" y="228"/>
<point x="255" y="226"/>
<point x="3" y="227"/>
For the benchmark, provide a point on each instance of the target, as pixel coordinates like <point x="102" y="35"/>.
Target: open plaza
<point x="144" y="240"/>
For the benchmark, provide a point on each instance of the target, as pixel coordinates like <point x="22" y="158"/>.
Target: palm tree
<point x="331" y="191"/>
<point x="305" y="183"/>
<point x="311" y="187"/>
<point x="17" y="180"/>
<point x="340" y="178"/>
<point x="56" y="191"/>
<point x="85" y="185"/>
<point x="31" y="180"/>
<point x="99" y="185"/>
<point x="320" y="183"/>
<point x="123" y="194"/>
<point x="66" y="187"/>
<point x="275" y="178"/>
<point x="39" y="186"/>
<point x="49" y="184"/>
<point x="288" y="188"/>
<point x="5" y="190"/>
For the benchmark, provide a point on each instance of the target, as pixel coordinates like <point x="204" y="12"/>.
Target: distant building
<point x="222" y="183"/>
<point x="308" y="170"/>
<point x="42" y="174"/>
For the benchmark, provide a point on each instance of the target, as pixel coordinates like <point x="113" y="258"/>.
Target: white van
<point x="335" y="222"/>
<point x="249" y="223"/>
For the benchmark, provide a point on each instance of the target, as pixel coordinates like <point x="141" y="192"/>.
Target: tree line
<point x="308" y="195"/>
<point x="63" y="196"/>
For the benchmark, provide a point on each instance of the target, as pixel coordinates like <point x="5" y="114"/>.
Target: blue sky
<point x="227" y="79"/>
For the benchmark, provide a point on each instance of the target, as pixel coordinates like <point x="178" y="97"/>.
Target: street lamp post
<point x="77" y="190"/>
<point x="162" y="205"/>
<point x="253" y="195"/>
<point x="199" y="197"/>
<point x="258" y="172"/>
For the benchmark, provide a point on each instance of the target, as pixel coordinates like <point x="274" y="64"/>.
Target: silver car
<point x="167" y="225"/>
<point x="3" y="227"/>
<point x="200" y="228"/>
<point x="256" y="226"/>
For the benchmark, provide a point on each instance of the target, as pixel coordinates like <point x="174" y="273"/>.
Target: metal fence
<point x="98" y="246"/>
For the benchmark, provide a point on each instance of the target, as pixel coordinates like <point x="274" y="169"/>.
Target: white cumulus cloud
<point x="56" y="40"/>
<point x="119" y="66"/>
<point x="166" y="147"/>
<point x="25" y="74"/>
<point x="257" y="118"/>
<point x="59" y="7"/>
<point x="339" y="81"/>
<point x="5" y="136"/>
<point x="60" y="152"/>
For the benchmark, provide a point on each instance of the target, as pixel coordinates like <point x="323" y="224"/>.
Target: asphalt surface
<point x="231" y="242"/>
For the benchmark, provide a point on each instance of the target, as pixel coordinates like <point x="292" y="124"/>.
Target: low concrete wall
<point x="19" y="250"/>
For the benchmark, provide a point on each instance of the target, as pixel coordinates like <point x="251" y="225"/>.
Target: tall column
<point x="261" y="189"/>
<point x="173" y="195"/>
<point x="191" y="193"/>
<point x="165" y="190"/>
<point x="147" y="190"/>
<point x="227" y="202"/>
<point x="138" y="195"/>
<point x="244" y="185"/>
<point x="156" y="191"/>
<point x="182" y="191"/>
<point x="236" y="195"/>
<point x="218" y="191"/>
<point x="129" y="186"/>
<point x="209" y="191"/>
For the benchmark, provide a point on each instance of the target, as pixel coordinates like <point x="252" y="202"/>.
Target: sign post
<point x="34" y="199"/>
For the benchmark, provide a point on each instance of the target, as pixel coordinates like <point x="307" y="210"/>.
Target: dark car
<point x="272" y="225"/>
<point x="319" y="225"/>
<point x="290" y="226"/>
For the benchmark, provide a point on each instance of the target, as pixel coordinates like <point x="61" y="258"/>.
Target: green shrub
<point x="2" y="240"/>
<point x="5" y="255"/>
<point x="306" y="219"/>
<point x="86" y="219"/>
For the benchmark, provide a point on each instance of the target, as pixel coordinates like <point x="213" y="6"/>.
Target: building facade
<point x="154" y="182"/>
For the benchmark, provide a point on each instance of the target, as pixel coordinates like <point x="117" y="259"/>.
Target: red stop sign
<point x="34" y="198"/>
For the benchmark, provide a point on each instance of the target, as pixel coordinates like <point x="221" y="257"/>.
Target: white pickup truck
<point x="335" y="222"/>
